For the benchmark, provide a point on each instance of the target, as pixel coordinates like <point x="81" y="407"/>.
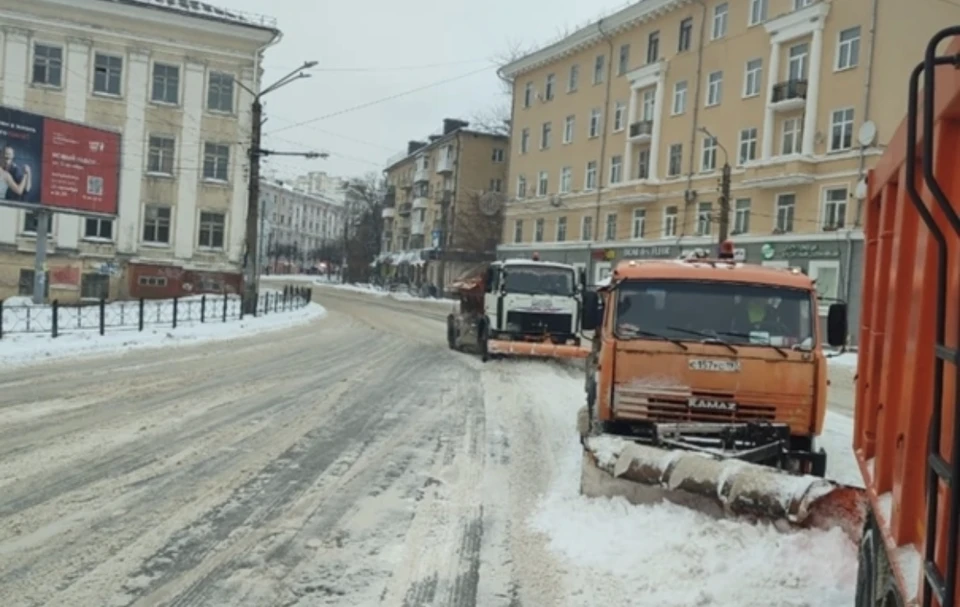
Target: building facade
<point x="331" y="187"/>
<point x="174" y="80"/>
<point x="296" y="225"/>
<point x="621" y="131"/>
<point x="444" y="204"/>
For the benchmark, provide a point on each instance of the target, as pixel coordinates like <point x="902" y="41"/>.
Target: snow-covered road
<point x="354" y="461"/>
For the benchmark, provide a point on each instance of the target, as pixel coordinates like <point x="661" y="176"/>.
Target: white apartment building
<point x="296" y="224"/>
<point x="174" y="79"/>
<point x="330" y="187"/>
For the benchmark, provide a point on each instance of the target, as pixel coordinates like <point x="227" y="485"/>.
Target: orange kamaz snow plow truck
<point x="519" y="308"/>
<point x="906" y="427"/>
<point x="707" y="386"/>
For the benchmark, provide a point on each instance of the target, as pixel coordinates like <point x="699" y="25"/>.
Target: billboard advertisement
<point x="58" y="164"/>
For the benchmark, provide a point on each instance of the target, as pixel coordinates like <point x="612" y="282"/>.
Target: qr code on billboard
<point x="94" y="186"/>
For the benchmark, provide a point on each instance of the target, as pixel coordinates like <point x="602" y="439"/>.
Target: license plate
<point x="717" y="366"/>
<point x="707" y="404"/>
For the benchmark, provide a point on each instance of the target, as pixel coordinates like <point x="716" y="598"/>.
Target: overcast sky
<point x="368" y="51"/>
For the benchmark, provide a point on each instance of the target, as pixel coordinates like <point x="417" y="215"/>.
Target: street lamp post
<point x="724" y="189"/>
<point x="251" y="262"/>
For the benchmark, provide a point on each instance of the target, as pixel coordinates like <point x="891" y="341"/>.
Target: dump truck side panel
<point x="901" y="398"/>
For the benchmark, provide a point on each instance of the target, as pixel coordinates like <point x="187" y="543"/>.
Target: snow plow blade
<point x="616" y="467"/>
<point x="536" y="349"/>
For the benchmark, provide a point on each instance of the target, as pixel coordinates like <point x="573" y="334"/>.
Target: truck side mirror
<point x="583" y="279"/>
<point x="837" y="325"/>
<point x="489" y="280"/>
<point x="590" y="315"/>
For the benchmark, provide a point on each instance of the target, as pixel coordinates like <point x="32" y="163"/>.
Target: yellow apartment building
<point x="621" y="130"/>
<point x="444" y="206"/>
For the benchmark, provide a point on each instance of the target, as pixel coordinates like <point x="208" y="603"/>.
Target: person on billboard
<point x="16" y="179"/>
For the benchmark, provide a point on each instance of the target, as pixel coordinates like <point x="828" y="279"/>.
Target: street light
<point x="724" y="188"/>
<point x="251" y="261"/>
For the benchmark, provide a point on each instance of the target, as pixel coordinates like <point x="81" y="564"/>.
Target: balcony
<point x="444" y="196"/>
<point x="421" y="202"/>
<point x="790" y="172"/>
<point x="388" y="213"/>
<point x="641" y="131"/>
<point x="445" y="163"/>
<point x="404" y="210"/>
<point x="789" y="95"/>
<point x="422" y="174"/>
<point x="417" y="227"/>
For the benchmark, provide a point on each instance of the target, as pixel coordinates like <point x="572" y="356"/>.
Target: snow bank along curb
<point x="28" y="348"/>
<point x="396" y="295"/>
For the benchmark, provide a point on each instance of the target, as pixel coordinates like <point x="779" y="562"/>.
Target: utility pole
<point x="251" y="261"/>
<point x="725" y="203"/>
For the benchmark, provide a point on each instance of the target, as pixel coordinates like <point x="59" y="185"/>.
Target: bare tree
<point x="473" y="229"/>
<point x="363" y="225"/>
<point x="495" y="119"/>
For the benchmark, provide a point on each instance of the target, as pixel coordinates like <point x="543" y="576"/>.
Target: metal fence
<point x="58" y="319"/>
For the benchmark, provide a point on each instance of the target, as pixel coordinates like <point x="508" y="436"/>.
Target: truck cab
<point x="710" y="355"/>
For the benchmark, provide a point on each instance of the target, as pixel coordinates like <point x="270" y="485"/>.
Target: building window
<point x="566" y="180"/>
<point x="524" y="141"/>
<point x="786" y="206"/>
<point x="704" y="218"/>
<point x="619" y="116"/>
<point x="549" y="87"/>
<point x="741" y="216"/>
<point x="679" y="98"/>
<point x="166" y="84"/>
<point x="595" y="115"/>
<point x="639" y="222"/>
<point x="216" y="161"/>
<point x="98" y="229"/>
<point x="590" y="182"/>
<point x="748" y="145"/>
<point x="826" y="277"/>
<point x="841" y="130"/>
<point x="669" y="222"/>
<point x="94" y="286"/>
<point x="586" y="228"/>
<point x="543" y="184"/>
<point x="30" y="223"/>
<point x="220" y="92"/>
<point x="598" y="65"/>
<point x="624" y="63"/>
<point x="685" y="37"/>
<point x="48" y="65"/>
<point x="573" y="79"/>
<point x="568" y="126"/>
<point x="538" y="230"/>
<point x="156" y="224"/>
<point x="653" y="47"/>
<point x="676" y="159"/>
<point x="714" y="88"/>
<point x="720" y="20"/>
<point x="798" y="4"/>
<point x="496" y="185"/>
<point x="792" y="136"/>
<point x="643" y="164"/>
<point x="528" y="94"/>
<point x="25" y="286"/>
<point x="561" y="229"/>
<point x="518" y="230"/>
<point x="160" y="154"/>
<point x="708" y="156"/>
<point x="797" y="62"/>
<point x="616" y="169"/>
<point x="610" y="232"/>
<point x="498" y="155"/>
<point x="212" y="225"/>
<point x="834" y="208"/>
<point x="648" y="105"/>
<point x="758" y="11"/>
<point x="752" y="78"/>
<point x="545" y="131"/>
<point x="521" y="186"/>
<point x="107" y="74"/>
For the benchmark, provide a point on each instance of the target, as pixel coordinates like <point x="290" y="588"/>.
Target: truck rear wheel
<point x="876" y="585"/>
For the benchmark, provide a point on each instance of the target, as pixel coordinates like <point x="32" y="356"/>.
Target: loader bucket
<point x="616" y="467"/>
<point x="536" y="349"/>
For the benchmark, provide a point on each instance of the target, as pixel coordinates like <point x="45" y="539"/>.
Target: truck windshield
<point x="539" y="280"/>
<point x="739" y="314"/>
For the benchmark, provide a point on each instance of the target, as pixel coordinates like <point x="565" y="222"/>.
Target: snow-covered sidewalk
<point x="221" y="320"/>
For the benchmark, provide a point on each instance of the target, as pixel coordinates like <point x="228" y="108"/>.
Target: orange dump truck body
<point x="906" y="396"/>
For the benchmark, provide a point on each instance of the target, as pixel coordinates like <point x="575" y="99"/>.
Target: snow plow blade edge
<point x="536" y="349"/>
<point x="614" y="467"/>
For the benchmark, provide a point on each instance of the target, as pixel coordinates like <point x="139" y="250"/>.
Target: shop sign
<point x="810" y="250"/>
<point x="658" y="252"/>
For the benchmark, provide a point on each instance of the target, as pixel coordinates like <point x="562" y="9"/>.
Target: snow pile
<point x="837" y="441"/>
<point x="846" y="360"/>
<point x="20" y="349"/>
<point x="615" y="553"/>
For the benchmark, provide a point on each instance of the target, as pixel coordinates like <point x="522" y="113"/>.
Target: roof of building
<point x="206" y="11"/>
<point x="589" y="35"/>
<point x="711" y="271"/>
<point x="267" y="184"/>
<point x="393" y="161"/>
